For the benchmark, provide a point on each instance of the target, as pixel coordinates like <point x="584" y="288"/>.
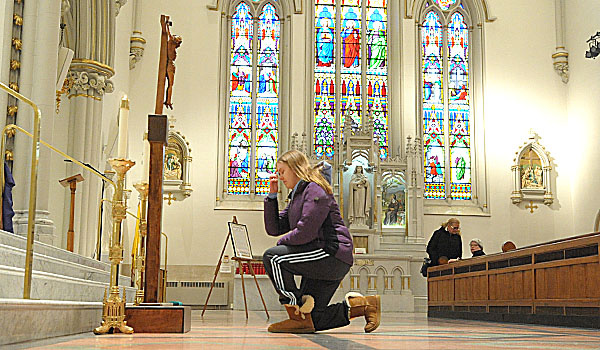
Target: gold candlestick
<point x="113" y="310"/>
<point x="142" y="187"/>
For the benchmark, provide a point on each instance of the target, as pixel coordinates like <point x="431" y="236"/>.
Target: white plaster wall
<point x="583" y="106"/>
<point x="522" y="92"/>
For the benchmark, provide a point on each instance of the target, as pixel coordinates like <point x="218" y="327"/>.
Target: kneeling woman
<point x="316" y="246"/>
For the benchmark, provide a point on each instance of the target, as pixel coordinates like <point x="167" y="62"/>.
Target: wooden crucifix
<point x="157" y="136"/>
<point x="169" y="44"/>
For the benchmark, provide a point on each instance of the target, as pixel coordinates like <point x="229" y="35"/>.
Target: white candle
<point x="146" y="175"/>
<point x="123" y="121"/>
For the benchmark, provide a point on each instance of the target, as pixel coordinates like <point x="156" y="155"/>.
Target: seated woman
<point x="445" y="244"/>
<point x="476" y="247"/>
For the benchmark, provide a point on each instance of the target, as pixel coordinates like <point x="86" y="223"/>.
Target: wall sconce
<point x="594" y="42"/>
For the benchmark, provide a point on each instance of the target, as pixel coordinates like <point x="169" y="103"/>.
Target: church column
<point x="560" y="56"/>
<point x="40" y="35"/>
<point x="414" y="186"/>
<point x="93" y="34"/>
<point x="137" y="41"/>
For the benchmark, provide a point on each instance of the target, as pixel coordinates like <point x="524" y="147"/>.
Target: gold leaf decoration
<point x="14" y="64"/>
<point x="18" y="20"/>
<point x="17" y="43"/>
<point x="12" y="110"/>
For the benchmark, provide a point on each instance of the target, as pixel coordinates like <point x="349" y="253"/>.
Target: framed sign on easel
<point x="242" y="253"/>
<point x="241" y="242"/>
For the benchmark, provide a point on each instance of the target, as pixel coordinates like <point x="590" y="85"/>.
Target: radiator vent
<point x="195" y="292"/>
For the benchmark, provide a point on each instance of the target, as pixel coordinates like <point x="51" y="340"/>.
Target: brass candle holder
<point x="142" y="187"/>
<point x="113" y="309"/>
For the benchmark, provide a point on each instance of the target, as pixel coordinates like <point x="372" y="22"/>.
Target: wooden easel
<point x="241" y="262"/>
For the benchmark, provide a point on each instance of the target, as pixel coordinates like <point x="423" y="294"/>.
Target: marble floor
<point x="231" y="330"/>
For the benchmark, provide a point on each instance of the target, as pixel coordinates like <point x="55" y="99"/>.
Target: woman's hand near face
<point x="273" y="183"/>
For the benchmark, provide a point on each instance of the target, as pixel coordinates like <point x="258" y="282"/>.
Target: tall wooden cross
<point x="157" y="136"/>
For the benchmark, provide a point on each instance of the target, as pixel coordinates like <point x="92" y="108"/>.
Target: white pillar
<point x="560" y="55"/>
<point x="41" y="31"/>
<point x="92" y="33"/>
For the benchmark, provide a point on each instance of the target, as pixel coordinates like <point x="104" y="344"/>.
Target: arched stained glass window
<point x="350" y="48"/>
<point x="446" y="110"/>
<point x="253" y="99"/>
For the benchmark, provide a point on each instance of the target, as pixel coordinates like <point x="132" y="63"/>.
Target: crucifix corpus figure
<point x="173" y="43"/>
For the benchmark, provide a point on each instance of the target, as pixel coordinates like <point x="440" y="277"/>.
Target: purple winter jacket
<point x="311" y="218"/>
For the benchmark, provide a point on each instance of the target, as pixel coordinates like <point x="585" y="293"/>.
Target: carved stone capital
<point x="136" y="48"/>
<point x="562" y="69"/>
<point x="560" y="60"/>
<point x="90" y="83"/>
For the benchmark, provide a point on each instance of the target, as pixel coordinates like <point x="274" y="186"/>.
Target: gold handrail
<point x="35" y="155"/>
<point x="29" y="252"/>
<point x="86" y="167"/>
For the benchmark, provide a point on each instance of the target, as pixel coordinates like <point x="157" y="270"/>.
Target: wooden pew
<point x="554" y="283"/>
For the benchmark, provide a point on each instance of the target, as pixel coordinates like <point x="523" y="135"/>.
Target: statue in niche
<point x="391" y="215"/>
<point x="360" y="198"/>
<point x="531" y="170"/>
<point x="172" y="169"/>
<point x="393" y="195"/>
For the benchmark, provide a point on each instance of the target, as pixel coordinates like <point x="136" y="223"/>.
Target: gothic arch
<point x="480" y="10"/>
<point x="225" y="6"/>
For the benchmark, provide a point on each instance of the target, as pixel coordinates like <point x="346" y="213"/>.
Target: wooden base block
<point x="159" y="318"/>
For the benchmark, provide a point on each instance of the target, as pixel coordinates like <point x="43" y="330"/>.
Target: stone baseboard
<point x="26" y="320"/>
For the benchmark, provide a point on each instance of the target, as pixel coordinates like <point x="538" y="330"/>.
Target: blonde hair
<point x="299" y="164"/>
<point x="451" y="221"/>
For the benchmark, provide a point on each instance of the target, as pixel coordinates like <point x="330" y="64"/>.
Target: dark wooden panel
<point x="518" y="288"/>
<point x="493" y="287"/>
<point x="540" y="284"/>
<point x="528" y="284"/>
<point x="592" y="280"/>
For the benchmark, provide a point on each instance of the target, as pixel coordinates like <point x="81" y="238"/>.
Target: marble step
<point x="51" y="286"/>
<point x="15" y="257"/>
<point x="17" y="241"/>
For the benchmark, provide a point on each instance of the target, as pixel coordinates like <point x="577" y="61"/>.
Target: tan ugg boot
<point x="369" y="307"/>
<point x="300" y="319"/>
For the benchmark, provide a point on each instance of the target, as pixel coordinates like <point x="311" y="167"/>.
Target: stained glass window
<point x="359" y="49"/>
<point x="445" y="105"/>
<point x="325" y="68"/>
<point x="253" y="102"/>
